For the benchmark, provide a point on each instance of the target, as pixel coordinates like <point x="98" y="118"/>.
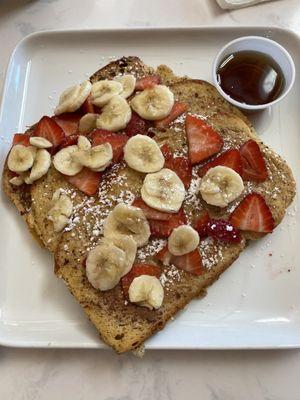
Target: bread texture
<point x="121" y="324"/>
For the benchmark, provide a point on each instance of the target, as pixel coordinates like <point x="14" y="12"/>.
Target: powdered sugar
<point x="153" y="247"/>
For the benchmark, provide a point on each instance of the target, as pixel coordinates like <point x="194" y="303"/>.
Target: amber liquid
<point x="250" y="77"/>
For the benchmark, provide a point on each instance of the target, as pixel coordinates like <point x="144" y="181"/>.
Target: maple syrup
<point x="250" y="77"/>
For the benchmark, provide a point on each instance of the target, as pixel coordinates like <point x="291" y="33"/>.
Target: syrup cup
<point x="262" y="45"/>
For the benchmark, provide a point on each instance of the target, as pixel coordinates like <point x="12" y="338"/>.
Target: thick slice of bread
<point x="122" y="325"/>
<point x="125" y="326"/>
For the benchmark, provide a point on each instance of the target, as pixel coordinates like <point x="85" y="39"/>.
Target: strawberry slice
<point x="177" y="110"/>
<point x="88" y="106"/>
<point x="69" y="122"/>
<point x="223" y="230"/>
<point x="254" y="166"/>
<point x="147" y="82"/>
<point x="117" y="141"/>
<point x="151" y="213"/>
<point x="21" y="138"/>
<point x="69" y="141"/>
<point x="136" y="125"/>
<point x="201" y="224"/>
<point x="190" y="262"/>
<point x="253" y="214"/>
<point x="86" y="180"/>
<point x="49" y="129"/>
<point x="164" y="228"/>
<point x="203" y="140"/>
<point x="231" y="159"/>
<point x="138" y="270"/>
<point x="180" y="165"/>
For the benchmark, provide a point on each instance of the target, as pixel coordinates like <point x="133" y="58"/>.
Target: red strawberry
<point x="190" y="262"/>
<point x="136" y="125"/>
<point x="254" y="166"/>
<point x="21" y="138"/>
<point x="69" y="122"/>
<point x="138" y="270"/>
<point x="86" y="180"/>
<point x="223" y="230"/>
<point x="49" y="129"/>
<point x="117" y="141"/>
<point x="164" y="228"/>
<point x="178" y="109"/>
<point x="180" y="165"/>
<point x="253" y="214"/>
<point x="147" y="82"/>
<point x="88" y="106"/>
<point x="201" y="224"/>
<point x="203" y="140"/>
<point x="69" y="141"/>
<point x="167" y="153"/>
<point x="150" y="213"/>
<point x="231" y="159"/>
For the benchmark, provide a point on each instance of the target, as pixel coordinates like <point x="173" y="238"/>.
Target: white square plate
<point x="256" y="302"/>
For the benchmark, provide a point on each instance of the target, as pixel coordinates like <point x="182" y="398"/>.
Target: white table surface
<point x="89" y="374"/>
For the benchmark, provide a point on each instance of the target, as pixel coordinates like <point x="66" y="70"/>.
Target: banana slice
<point x="72" y="98"/>
<point x="63" y="161"/>
<point x="105" y="265"/>
<point x="115" y="114"/>
<point x="96" y="158"/>
<point x="87" y="123"/>
<point x="61" y="210"/>
<point x="127" y="220"/>
<point x="40" y="166"/>
<point x="146" y="291"/>
<point x="16" y="181"/>
<point x="40" y="142"/>
<point x="220" y="186"/>
<point x="154" y="103"/>
<point x="83" y="143"/>
<point x="103" y="91"/>
<point x="143" y="154"/>
<point x="163" y="191"/>
<point x="128" y="83"/>
<point x="20" y="158"/>
<point x="128" y="245"/>
<point x="183" y="240"/>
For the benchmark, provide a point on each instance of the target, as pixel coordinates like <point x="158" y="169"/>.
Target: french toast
<point x="121" y="323"/>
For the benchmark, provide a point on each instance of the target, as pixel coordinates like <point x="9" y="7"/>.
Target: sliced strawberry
<point x="253" y="214"/>
<point x="203" y="140"/>
<point x="164" y="228"/>
<point x="69" y="122"/>
<point x="69" y="141"/>
<point x="147" y="82"/>
<point x="254" y="166"/>
<point x="182" y="167"/>
<point x="21" y="138"/>
<point x="201" y="224"/>
<point x="231" y="159"/>
<point x="136" y="125"/>
<point x="167" y="153"/>
<point x="190" y="262"/>
<point x="177" y="110"/>
<point x="150" y="213"/>
<point x="88" y="106"/>
<point x="86" y="180"/>
<point x="138" y="270"/>
<point x="117" y="141"/>
<point x="49" y="129"/>
<point x="223" y="230"/>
